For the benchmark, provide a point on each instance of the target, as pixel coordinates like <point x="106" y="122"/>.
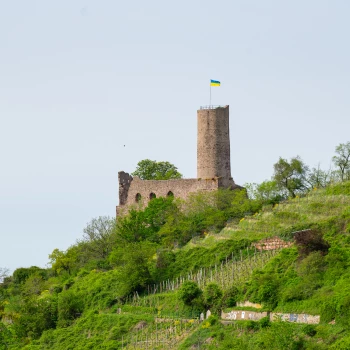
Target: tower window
<point x="138" y="198"/>
<point x="170" y="194"/>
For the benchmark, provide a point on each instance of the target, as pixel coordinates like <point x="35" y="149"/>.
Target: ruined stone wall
<point x="136" y="192"/>
<point x="213" y="144"/>
<point x="272" y="243"/>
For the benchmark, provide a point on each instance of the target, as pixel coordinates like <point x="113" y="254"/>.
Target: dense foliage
<point x="152" y="170"/>
<point x="108" y="290"/>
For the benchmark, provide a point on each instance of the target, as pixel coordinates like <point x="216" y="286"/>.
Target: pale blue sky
<point x="80" y="79"/>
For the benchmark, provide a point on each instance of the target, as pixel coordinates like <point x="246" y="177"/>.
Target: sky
<point x="81" y="79"/>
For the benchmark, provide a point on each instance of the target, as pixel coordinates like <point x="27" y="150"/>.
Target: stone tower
<point x="213" y="145"/>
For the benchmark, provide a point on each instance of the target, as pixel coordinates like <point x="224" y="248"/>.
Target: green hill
<point x="144" y="284"/>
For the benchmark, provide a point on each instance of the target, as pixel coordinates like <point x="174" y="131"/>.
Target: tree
<point x="318" y="178"/>
<point x="133" y="262"/>
<point x="267" y="192"/>
<point x="63" y="261"/>
<point x="98" y="236"/>
<point x="141" y="225"/>
<point x="188" y="292"/>
<point x="35" y="316"/>
<point x="152" y="170"/>
<point x="291" y="176"/>
<point x="342" y="160"/>
<point x="21" y="274"/>
<point x="3" y="273"/>
<point x="212" y="296"/>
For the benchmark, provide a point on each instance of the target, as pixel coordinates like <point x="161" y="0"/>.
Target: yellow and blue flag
<point x="214" y="83"/>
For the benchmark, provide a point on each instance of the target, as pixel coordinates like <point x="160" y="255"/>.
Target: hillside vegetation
<point x="143" y="281"/>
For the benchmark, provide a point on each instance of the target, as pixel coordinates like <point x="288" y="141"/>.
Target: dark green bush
<point x="230" y="297"/>
<point x="213" y="320"/>
<point x="70" y="307"/>
<point x="309" y="330"/>
<point x="188" y="292"/>
<point x="252" y="325"/>
<point x="212" y="296"/>
<point x="264" y="322"/>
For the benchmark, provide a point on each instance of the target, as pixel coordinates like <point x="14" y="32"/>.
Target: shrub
<point x="213" y="320"/>
<point x="309" y="330"/>
<point x="188" y="292"/>
<point x="252" y="325"/>
<point x="230" y="297"/>
<point x="212" y="295"/>
<point x="264" y="322"/>
<point x="36" y="315"/>
<point x="328" y="312"/>
<point x="70" y="306"/>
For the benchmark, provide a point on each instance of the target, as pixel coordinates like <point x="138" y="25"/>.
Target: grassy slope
<point x="327" y="210"/>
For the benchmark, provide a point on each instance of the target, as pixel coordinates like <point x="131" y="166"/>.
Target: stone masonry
<point x="239" y="315"/>
<point x="213" y="165"/>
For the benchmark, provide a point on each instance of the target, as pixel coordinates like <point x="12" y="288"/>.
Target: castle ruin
<point x="213" y="165"/>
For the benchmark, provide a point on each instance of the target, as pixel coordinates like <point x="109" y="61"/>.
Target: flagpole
<point x="210" y="94"/>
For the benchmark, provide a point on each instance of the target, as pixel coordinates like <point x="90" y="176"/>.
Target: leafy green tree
<point x="21" y="274"/>
<point x="152" y="170"/>
<point x="99" y="238"/>
<point x="342" y="160"/>
<point x="291" y="176"/>
<point x="157" y="212"/>
<point x="7" y="338"/>
<point x="212" y="296"/>
<point x="267" y="192"/>
<point x="34" y="285"/>
<point x="188" y="292"/>
<point x="70" y="307"/>
<point x="132" y="227"/>
<point x="63" y="261"/>
<point x="34" y="316"/>
<point x="144" y="224"/>
<point x="230" y="297"/>
<point x="133" y="261"/>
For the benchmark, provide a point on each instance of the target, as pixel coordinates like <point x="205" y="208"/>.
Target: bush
<point x="36" y="315"/>
<point x="328" y="312"/>
<point x="70" y="306"/>
<point x="265" y="322"/>
<point x="252" y="325"/>
<point x="309" y="330"/>
<point x="212" y="295"/>
<point x="188" y="292"/>
<point x="230" y="297"/>
<point x="213" y="320"/>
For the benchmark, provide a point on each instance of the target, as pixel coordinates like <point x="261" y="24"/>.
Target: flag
<point x="214" y="83"/>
